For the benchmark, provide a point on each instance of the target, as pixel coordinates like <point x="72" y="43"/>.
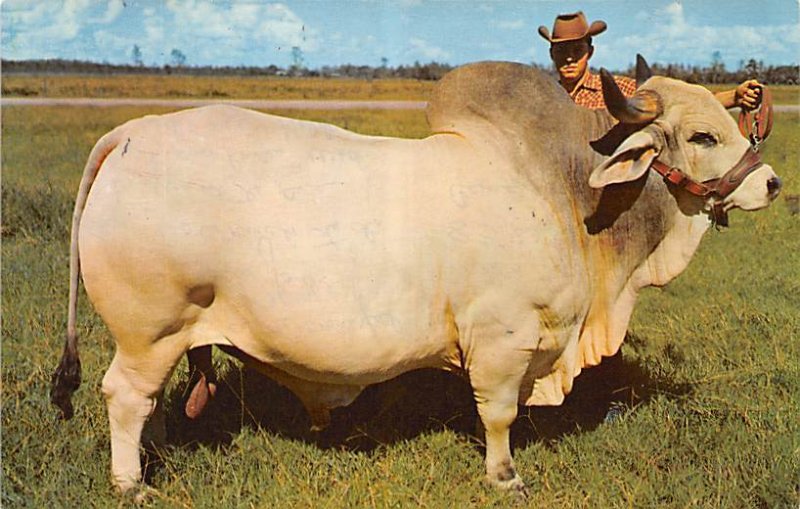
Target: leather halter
<point x="718" y="188"/>
<point x="755" y="127"/>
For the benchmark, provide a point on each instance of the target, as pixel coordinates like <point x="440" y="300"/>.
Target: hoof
<point x="142" y="495"/>
<point x="516" y="484"/>
<point x="509" y="480"/>
<point x="139" y="493"/>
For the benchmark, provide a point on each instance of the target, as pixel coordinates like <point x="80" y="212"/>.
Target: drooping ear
<point x="629" y="162"/>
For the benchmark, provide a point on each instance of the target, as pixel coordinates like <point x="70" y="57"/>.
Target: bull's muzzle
<point x="774" y="187"/>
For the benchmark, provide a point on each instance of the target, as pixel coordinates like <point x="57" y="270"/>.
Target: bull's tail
<point x="67" y="377"/>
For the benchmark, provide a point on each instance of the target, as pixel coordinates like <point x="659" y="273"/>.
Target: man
<point x="571" y="48"/>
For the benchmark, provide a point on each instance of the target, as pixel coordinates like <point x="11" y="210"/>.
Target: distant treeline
<point x="715" y="73"/>
<point x="429" y="71"/>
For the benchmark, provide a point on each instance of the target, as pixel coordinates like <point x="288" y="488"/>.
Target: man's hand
<point x="748" y="95"/>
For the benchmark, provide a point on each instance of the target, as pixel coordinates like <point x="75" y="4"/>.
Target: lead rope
<point x="757" y="124"/>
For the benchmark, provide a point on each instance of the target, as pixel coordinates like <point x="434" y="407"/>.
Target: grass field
<point x="199" y="87"/>
<point x="705" y="396"/>
<point x="218" y="87"/>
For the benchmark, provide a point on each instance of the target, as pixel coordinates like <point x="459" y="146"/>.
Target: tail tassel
<point x="65" y="381"/>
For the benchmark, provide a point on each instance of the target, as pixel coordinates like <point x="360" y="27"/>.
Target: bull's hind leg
<point x="132" y="387"/>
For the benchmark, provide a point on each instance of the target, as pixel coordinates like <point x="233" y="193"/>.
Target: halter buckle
<point x="755" y="140"/>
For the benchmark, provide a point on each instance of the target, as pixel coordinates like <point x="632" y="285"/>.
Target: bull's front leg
<point x="496" y="372"/>
<point x="497" y="412"/>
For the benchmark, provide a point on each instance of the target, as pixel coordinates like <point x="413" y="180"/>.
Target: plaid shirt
<point x="589" y="93"/>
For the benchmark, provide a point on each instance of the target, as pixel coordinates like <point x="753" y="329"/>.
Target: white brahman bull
<point x="503" y="245"/>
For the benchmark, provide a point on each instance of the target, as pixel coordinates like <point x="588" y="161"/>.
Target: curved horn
<point x="643" y="107"/>
<point x="643" y="72"/>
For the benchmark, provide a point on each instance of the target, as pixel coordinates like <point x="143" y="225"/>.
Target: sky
<point x="365" y="32"/>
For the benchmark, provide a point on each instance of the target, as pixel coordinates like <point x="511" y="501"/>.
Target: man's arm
<point x="746" y="96"/>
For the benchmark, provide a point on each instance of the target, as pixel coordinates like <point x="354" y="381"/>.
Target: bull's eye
<point x="703" y="139"/>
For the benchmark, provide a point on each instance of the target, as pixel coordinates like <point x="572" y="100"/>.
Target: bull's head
<point x="688" y="131"/>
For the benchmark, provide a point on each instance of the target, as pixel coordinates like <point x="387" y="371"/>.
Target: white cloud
<point x="74" y="8"/>
<point x="110" y="41"/>
<point x="201" y="18"/>
<point x="245" y="15"/>
<point x="517" y="24"/>
<point x="38" y="30"/>
<point x="229" y="26"/>
<point x="50" y="29"/>
<point x="675" y="40"/>
<point x="285" y="28"/>
<point x="22" y="13"/>
<point x="427" y="51"/>
<point x="65" y="23"/>
<point x="153" y="29"/>
<point x="113" y="10"/>
<point x="206" y="31"/>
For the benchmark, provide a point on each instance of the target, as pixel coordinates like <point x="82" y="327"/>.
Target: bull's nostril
<point x="773" y="186"/>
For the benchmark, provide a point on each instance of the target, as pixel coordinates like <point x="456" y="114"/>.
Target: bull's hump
<point x="508" y="95"/>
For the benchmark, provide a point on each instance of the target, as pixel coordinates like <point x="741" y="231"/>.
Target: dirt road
<point x="302" y="104"/>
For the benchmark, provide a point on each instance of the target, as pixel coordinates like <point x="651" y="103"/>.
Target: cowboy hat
<point x="572" y="27"/>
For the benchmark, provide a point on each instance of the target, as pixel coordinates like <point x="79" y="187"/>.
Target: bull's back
<point x="217" y="173"/>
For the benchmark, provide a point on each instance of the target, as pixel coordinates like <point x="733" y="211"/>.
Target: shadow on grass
<point x="406" y="407"/>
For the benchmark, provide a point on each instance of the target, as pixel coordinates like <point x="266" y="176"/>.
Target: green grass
<point x="707" y="385"/>
<point x="214" y="87"/>
<point x="230" y="87"/>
